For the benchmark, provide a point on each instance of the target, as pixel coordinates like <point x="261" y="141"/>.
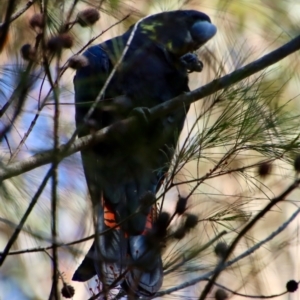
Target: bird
<point x="124" y="173"/>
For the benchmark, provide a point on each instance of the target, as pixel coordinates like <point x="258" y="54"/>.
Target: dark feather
<point x="120" y="173"/>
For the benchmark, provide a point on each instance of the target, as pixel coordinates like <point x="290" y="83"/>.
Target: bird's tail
<point x="122" y="259"/>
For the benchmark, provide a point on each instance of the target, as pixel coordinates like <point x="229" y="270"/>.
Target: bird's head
<point x="179" y="31"/>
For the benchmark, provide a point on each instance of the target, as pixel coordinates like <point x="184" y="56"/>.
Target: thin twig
<point x="54" y="290"/>
<point x="188" y="257"/>
<point x="18" y="13"/>
<point x="65" y="66"/>
<point x="248" y="296"/>
<point x="5" y="26"/>
<point x="23" y="140"/>
<point x="246" y="253"/>
<point x="219" y="268"/>
<point x="70" y="12"/>
<point x="112" y="73"/>
<point x="76" y="241"/>
<point x="18" y="97"/>
<point x="25" y="216"/>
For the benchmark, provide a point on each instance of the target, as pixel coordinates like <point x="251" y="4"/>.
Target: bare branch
<point x="18" y="13"/>
<point x="158" y="111"/>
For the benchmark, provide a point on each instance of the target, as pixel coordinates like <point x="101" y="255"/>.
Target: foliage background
<point x="246" y="31"/>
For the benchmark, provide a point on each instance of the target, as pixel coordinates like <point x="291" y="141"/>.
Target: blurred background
<point x="253" y="122"/>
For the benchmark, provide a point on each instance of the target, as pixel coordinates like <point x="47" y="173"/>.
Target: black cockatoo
<point x="121" y="174"/>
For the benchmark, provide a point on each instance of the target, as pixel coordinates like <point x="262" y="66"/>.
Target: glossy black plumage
<point x="120" y="173"/>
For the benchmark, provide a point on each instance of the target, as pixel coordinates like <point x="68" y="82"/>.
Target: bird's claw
<point x="191" y="62"/>
<point x="92" y="125"/>
<point x="142" y="113"/>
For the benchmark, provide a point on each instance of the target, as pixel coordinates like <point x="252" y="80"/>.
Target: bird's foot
<point x="92" y="125"/>
<point x="142" y="114"/>
<point x="191" y="62"/>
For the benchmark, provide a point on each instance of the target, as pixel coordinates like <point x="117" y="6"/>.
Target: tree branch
<point x="158" y="111"/>
<point x="18" y="13"/>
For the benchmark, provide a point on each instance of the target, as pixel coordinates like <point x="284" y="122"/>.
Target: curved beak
<point x="202" y="31"/>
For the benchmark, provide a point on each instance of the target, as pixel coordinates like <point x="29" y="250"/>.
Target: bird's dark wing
<point x="103" y="258"/>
